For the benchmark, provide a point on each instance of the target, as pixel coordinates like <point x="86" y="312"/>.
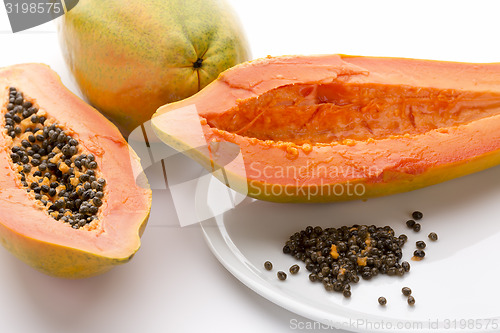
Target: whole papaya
<point x="130" y="57"/>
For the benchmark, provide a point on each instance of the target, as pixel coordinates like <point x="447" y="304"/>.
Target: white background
<point x="174" y="284"/>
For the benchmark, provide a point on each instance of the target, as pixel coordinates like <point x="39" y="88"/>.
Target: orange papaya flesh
<point x="92" y="211"/>
<point x="337" y="127"/>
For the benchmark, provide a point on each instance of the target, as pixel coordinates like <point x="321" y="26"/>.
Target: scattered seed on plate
<point x="281" y="275"/>
<point x="328" y="286"/>
<point x="419" y="253"/>
<point x="433" y="236"/>
<point x="268" y="265"/>
<point x="406" y="291"/>
<point x="410" y="223"/>
<point x="382" y="301"/>
<point x="420" y="245"/>
<point x="417" y="215"/>
<point x="346" y="293"/>
<point x="406" y="266"/>
<point x="417" y="227"/>
<point x="411" y="300"/>
<point x="294" y="269"/>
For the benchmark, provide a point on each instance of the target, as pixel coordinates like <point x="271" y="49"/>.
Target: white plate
<point x="455" y="287"/>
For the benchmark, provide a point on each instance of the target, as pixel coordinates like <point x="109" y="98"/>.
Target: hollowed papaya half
<point x="70" y="204"/>
<point x="336" y="127"/>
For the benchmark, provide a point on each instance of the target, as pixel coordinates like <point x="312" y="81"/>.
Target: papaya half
<point x="70" y="203"/>
<point x="337" y="127"/>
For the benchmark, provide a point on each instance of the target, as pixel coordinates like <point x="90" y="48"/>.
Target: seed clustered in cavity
<point x="52" y="165"/>
<point x="337" y="257"/>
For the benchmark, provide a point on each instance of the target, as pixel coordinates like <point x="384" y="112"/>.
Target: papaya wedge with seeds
<point x="70" y="203"/>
